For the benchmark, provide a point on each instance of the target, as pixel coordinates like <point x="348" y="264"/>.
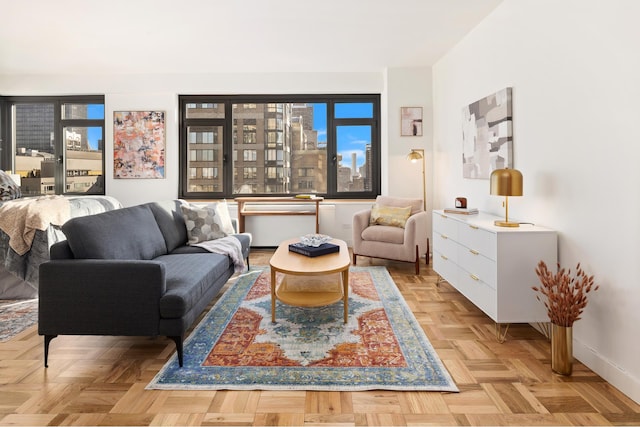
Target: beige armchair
<point x="392" y="241"/>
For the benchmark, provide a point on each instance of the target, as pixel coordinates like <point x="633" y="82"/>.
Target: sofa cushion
<point x="222" y="209"/>
<point x="187" y="278"/>
<point x="245" y="243"/>
<point x="127" y="233"/>
<point x="383" y="233"/>
<point x="169" y="218"/>
<point x="202" y="223"/>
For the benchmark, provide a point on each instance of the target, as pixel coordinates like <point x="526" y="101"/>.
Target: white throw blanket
<point x="22" y="217"/>
<point x="229" y="246"/>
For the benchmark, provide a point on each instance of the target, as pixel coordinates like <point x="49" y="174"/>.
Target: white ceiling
<point x="209" y="36"/>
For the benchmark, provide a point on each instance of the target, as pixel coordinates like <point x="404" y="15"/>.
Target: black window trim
<point x="6" y="150"/>
<point x="332" y="124"/>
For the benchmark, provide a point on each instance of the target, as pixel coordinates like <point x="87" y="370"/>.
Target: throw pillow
<point x="203" y="223"/>
<point x="389" y="215"/>
<point x="222" y="209"/>
<point x="9" y="190"/>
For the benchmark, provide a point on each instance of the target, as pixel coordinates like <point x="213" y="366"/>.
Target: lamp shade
<point x="414" y="155"/>
<point x="506" y="182"/>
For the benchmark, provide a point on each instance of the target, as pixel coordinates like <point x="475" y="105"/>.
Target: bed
<point x="20" y="259"/>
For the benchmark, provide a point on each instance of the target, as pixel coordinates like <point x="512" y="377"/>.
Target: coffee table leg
<point x="273" y="295"/>
<point x="345" y="284"/>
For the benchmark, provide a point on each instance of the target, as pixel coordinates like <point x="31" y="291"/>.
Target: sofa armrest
<point x="100" y="297"/>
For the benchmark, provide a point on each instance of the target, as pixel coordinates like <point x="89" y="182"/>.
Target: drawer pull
<point x="475" y="227"/>
<point x="474" y="252"/>
<point x="444" y="236"/>
<point x="474" y="277"/>
<point x="444" y="257"/>
<point x="443" y="216"/>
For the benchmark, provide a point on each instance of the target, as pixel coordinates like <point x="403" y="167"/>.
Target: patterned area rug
<point x="236" y="346"/>
<point x="16" y="316"/>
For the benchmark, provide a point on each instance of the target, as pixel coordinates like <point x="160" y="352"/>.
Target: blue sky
<point x="95" y="111"/>
<point x="351" y="139"/>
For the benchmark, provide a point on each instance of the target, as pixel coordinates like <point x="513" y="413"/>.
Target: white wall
<point x="411" y="87"/>
<point x="408" y="87"/>
<point x="573" y="66"/>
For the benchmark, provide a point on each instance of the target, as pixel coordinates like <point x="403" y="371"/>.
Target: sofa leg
<point x="178" y="341"/>
<point x="47" y="340"/>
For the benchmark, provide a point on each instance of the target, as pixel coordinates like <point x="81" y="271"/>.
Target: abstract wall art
<point x="138" y="144"/>
<point x="410" y="121"/>
<point x="487" y="139"/>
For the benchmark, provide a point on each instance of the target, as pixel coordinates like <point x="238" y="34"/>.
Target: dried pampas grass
<point x="564" y="294"/>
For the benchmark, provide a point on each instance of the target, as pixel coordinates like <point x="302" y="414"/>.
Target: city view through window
<point x="280" y="147"/>
<point x="78" y="168"/>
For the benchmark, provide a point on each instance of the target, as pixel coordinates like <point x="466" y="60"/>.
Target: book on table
<point x="313" y="251"/>
<point x="463" y="211"/>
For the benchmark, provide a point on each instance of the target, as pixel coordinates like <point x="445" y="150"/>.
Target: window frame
<point x="229" y="136"/>
<point x="59" y="123"/>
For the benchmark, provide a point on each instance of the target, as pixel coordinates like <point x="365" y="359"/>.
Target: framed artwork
<point x="487" y="139"/>
<point x="410" y="121"/>
<point x="138" y="144"/>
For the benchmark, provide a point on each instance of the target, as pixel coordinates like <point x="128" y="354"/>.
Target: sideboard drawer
<point x="446" y="268"/>
<point x="478" y="265"/>
<point x="479" y="240"/>
<point x="446" y="246"/>
<point x="444" y="225"/>
<point x="479" y="293"/>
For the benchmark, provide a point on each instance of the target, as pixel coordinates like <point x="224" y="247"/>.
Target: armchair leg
<point x="417" y="260"/>
<point x="47" y="340"/>
<point x="428" y="251"/>
<point x="178" y="341"/>
<point x="354" y="259"/>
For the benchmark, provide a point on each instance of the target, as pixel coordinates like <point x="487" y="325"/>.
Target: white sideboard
<point x="494" y="267"/>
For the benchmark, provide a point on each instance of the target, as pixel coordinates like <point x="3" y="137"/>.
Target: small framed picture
<point x="410" y="121"/>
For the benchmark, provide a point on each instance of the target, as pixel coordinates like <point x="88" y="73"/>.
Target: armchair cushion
<point x="383" y="233"/>
<point x="389" y="215"/>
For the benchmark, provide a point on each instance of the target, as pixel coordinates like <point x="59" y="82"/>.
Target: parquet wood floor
<point x="101" y="380"/>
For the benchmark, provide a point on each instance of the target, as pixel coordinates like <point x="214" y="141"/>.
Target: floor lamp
<point x="414" y="155"/>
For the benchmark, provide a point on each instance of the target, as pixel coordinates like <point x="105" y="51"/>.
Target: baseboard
<point x="612" y="373"/>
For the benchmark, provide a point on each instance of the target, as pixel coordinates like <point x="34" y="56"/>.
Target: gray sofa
<point x="129" y="272"/>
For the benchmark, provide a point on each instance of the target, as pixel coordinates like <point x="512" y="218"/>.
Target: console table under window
<point x="252" y="206"/>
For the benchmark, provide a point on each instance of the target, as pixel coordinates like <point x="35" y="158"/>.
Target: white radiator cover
<point x="270" y="230"/>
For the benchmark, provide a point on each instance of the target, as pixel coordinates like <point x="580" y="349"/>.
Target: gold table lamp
<point x="506" y="182"/>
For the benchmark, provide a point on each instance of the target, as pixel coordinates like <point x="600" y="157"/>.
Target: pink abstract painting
<point x="138" y="144"/>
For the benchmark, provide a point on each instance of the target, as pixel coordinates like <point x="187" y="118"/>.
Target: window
<point x="250" y="155"/>
<point x="279" y="145"/>
<point x="54" y="143"/>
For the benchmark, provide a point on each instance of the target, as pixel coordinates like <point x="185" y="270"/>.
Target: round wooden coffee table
<point x="310" y="281"/>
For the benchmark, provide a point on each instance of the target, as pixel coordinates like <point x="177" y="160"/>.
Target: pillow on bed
<point x="203" y="223"/>
<point x="9" y="190"/>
